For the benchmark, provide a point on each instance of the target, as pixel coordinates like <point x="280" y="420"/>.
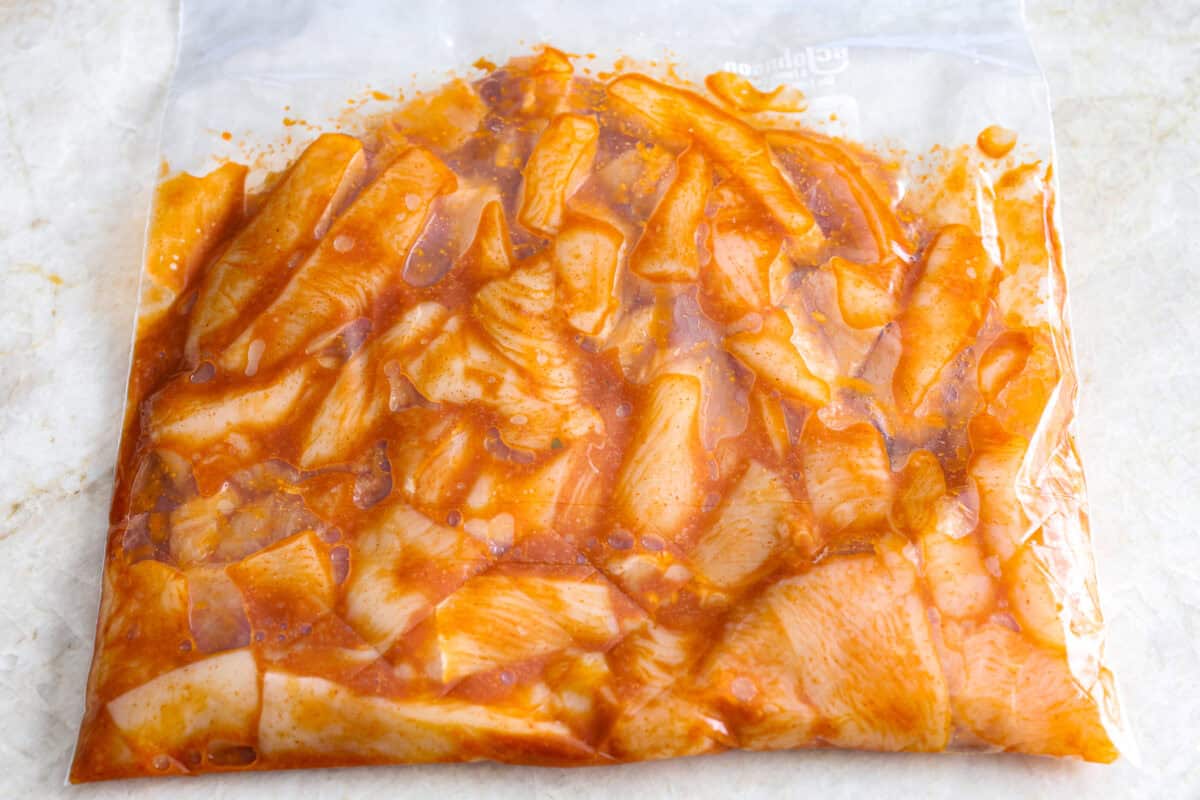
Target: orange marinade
<point x="559" y="421"/>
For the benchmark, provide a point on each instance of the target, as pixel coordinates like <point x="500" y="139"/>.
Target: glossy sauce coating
<point x="562" y="421"/>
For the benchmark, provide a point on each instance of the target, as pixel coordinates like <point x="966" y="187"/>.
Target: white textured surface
<point x="80" y="88"/>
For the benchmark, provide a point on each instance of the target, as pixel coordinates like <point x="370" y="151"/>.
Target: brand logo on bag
<point x="812" y="66"/>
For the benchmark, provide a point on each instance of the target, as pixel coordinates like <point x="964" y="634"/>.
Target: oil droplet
<point x="412" y="201"/>
<point x="253" y="356"/>
<point x="624" y="410"/>
<point x="161" y="763"/>
<point x="203" y="373"/>
<point x="620" y="540"/>
<point x="1006" y="620"/>
<point x="343" y="243"/>
<point x="232" y="755"/>
<point x="339" y="559"/>
<point x="743" y="689"/>
<point x="653" y="543"/>
<point x="677" y="573"/>
<point x="996" y="141"/>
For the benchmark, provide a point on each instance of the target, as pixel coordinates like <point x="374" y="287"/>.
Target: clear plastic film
<point x="558" y="387"/>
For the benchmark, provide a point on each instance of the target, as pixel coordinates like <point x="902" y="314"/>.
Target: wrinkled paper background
<point x="82" y="88"/>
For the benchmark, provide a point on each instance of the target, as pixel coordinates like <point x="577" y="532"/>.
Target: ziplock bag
<point x="554" y="388"/>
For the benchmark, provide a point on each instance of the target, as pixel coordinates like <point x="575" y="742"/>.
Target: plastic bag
<point x="585" y="408"/>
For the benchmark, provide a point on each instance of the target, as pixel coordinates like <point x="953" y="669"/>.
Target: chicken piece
<point x="490" y="624"/>
<point x="814" y="342"/>
<point x="557" y="167"/>
<point x="215" y="699"/>
<point x="456" y="221"/>
<point x="660" y="484"/>
<point x="995" y="467"/>
<point x="1034" y="597"/>
<point x="1019" y="374"/>
<point x="1022" y="697"/>
<point x="216" y="610"/>
<point x="287" y="585"/>
<point x="1001" y="362"/>
<point x="732" y="143"/>
<point x="519" y="314"/>
<point x="848" y="476"/>
<point x="361" y="256"/>
<point x="640" y="339"/>
<point x="585" y="607"/>
<point x="664" y="725"/>
<point x="667" y="250"/>
<point x="1033" y="593"/>
<point x="587" y="254"/>
<point x="835" y="352"/>
<point x="740" y="94"/>
<point x="655" y="721"/>
<point x="846" y="165"/>
<point x="947" y="306"/>
<point x="755" y="521"/>
<point x="442" y="120"/>
<point x="350" y="725"/>
<point x="432" y="471"/>
<point x="546" y="90"/>
<point x="770" y="353"/>
<point x="490" y="254"/>
<point x="952" y="561"/>
<point x="257" y="261"/>
<point x="316" y="718"/>
<point x="519" y="364"/>
<point x="145" y="614"/>
<point x="944" y="530"/>
<point x="192" y="418"/>
<point x="744" y="248"/>
<point x="655" y="656"/>
<point x="863" y="652"/>
<point x="366" y="390"/>
<point x="773" y="419"/>
<point x="493" y="621"/>
<point x="403" y="565"/>
<point x="753" y="678"/>
<point x="460" y="367"/>
<point x="1028" y="298"/>
<point x="867" y="293"/>
<point x="564" y="494"/>
<point x="919" y="487"/>
<point x="580" y="686"/>
<point x="235" y="522"/>
<point x="199" y="525"/>
<point x="1023" y="197"/>
<point x="191" y="217"/>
